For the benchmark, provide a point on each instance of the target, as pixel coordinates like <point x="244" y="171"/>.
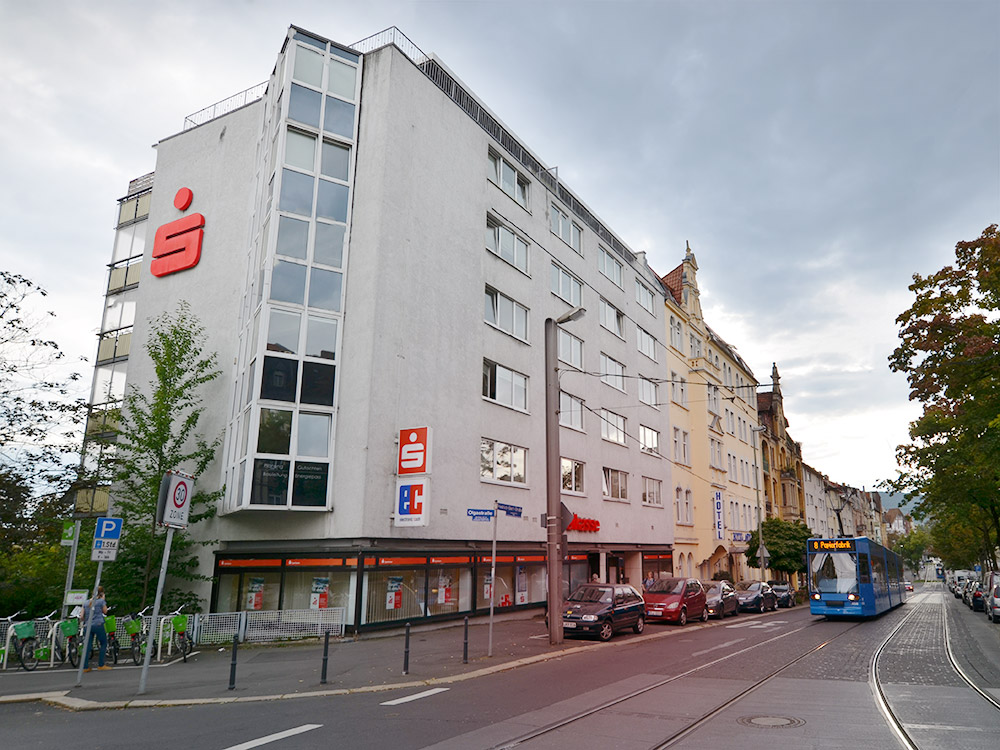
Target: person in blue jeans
<point x="95" y="610"/>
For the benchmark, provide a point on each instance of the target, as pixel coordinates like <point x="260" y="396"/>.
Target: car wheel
<point x="704" y="614"/>
<point x="683" y="618"/>
<point x="762" y="609"/>
<point x="607" y="630"/>
<point x="640" y="624"/>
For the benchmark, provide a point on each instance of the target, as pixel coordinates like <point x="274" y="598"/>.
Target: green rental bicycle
<point x="21" y="636"/>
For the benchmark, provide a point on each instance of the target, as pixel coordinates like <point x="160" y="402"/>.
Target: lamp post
<point x="553" y="483"/>
<point x="756" y="484"/>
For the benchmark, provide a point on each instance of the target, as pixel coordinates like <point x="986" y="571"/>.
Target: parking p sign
<point x="174" y="502"/>
<point x="106" y="535"/>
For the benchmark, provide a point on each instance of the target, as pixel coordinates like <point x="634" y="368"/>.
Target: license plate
<point x="834" y="604"/>
<point x="569" y="624"/>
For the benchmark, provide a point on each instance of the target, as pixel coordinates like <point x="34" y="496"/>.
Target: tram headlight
<point x="816" y="596"/>
<point x="852" y="597"/>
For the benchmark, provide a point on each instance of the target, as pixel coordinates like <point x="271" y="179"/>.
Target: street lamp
<point x="553" y="482"/>
<point x="756" y="484"/>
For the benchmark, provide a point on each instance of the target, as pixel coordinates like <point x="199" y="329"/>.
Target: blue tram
<point x="853" y="577"/>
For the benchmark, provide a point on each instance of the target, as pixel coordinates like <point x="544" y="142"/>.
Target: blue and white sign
<point x="412" y="501"/>
<point x="510" y="510"/>
<point x="107" y="533"/>
<point x="720" y="518"/>
<point x="480" y="514"/>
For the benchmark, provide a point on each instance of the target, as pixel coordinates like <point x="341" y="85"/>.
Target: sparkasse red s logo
<point x="177" y="245"/>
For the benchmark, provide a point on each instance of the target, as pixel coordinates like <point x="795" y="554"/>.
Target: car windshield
<point x="592" y="594"/>
<point x="748" y="586"/>
<point x="713" y="588"/>
<point x="668" y="586"/>
<point x="779" y="586"/>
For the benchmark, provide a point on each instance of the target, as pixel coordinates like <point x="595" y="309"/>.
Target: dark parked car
<point x="974" y="597"/>
<point x="720" y="598"/>
<point x="755" y="596"/>
<point x="965" y="593"/>
<point x="602" y="608"/>
<point x="676" y="600"/>
<point x="783" y="592"/>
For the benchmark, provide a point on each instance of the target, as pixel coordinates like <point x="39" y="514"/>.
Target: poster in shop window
<point x="394" y="593"/>
<point x="522" y="585"/>
<point x="320" y="594"/>
<point x="487" y="587"/>
<point x="255" y="594"/>
<point x="444" y="590"/>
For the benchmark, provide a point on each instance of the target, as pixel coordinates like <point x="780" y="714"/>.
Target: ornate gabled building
<point x="782" y="457"/>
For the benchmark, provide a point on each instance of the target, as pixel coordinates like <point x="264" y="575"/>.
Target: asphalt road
<point x="821" y="701"/>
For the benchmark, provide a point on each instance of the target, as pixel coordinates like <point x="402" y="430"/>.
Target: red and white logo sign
<point x="177" y="244"/>
<point x="414" y="451"/>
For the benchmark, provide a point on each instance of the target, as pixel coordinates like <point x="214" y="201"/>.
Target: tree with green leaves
<point x="950" y="353"/>
<point x="785" y="542"/>
<point x="912" y="547"/>
<point x="158" y="432"/>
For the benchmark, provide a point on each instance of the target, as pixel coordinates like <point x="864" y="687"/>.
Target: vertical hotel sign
<point x="413" y="469"/>
<point x="720" y="518"/>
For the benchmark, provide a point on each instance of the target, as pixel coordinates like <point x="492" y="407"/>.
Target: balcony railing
<point x="226" y="106"/>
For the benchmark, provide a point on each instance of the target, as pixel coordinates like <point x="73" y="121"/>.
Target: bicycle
<point x="71" y="632"/>
<point x="110" y="627"/>
<point x="22" y="638"/>
<point x="49" y="645"/>
<point x="135" y="631"/>
<point x="182" y="641"/>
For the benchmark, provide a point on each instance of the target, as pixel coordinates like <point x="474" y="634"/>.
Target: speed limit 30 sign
<point x="174" y="502"/>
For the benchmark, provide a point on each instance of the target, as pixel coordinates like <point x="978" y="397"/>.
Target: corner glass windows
<point x="570" y="349"/>
<point x="508" y="179"/>
<point x="342" y="80"/>
<point x="314" y="435"/>
<point x="331" y="201"/>
<point x="309" y="484"/>
<point x="339" y="118"/>
<point x="329" y="249"/>
<point x="564" y="285"/>
<point x="609" y="266"/>
<point x="568" y="230"/>
<point x="283" y="332"/>
<point x="304" y="105"/>
<point x="270" y="482"/>
<point x="275" y="431"/>
<point x="288" y="282"/>
<point x="317" y="384"/>
<point x="336" y="161"/>
<point x="506" y="314"/>
<point x="325" y="289"/>
<point x="296" y="193"/>
<point x="293" y="237"/>
<point x="505" y="386"/>
<point x="300" y="150"/>
<point x="279" y="378"/>
<point x="502" y="462"/>
<point x="308" y="67"/>
<point x="504" y="243"/>
<point x="321" y="338"/>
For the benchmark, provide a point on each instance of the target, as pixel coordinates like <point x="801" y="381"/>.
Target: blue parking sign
<point x="108" y="528"/>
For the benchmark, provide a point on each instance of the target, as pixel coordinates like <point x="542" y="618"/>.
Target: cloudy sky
<point x="814" y="154"/>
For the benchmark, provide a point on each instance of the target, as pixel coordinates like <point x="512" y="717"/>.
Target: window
<point x="679" y="504"/>
<point x="274" y="433"/>
<point x="506" y="245"/>
<point x="313" y="434"/>
<point x="321" y="338"/>
<point x="293" y="237"/>
<point x="612" y="426"/>
<point x="683" y="392"/>
<point x="508" y="179"/>
<point x="506" y="314"/>
<point x="644" y="297"/>
<point x="677" y="445"/>
<point x="335" y="161"/>
<point x="675" y="390"/>
<point x="572" y="475"/>
<point x="279" y="378"/>
<point x="612" y="319"/>
<point x="647" y="344"/>
<point x="685" y="448"/>
<point x="564" y="285"/>
<point x="713" y="399"/>
<point x="676" y="334"/>
<point x="570" y="411"/>
<point x="648" y="392"/>
<point x="317" y="383"/>
<point x="329" y="246"/>
<point x="300" y="150"/>
<point x="730" y="423"/>
<point x="651" y="492"/>
<point x="502" y="462"/>
<point x="688" y="508"/>
<point x="296" y="193"/>
<point x="695" y="343"/>
<point x="615" y="485"/>
<point x="283" y="332"/>
<point x="325" y="289"/>
<point x="504" y="386"/>
<point x="609" y="266"/>
<point x="649" y="439"/>
<point x="612" y="372"/>
<point x="568" y="230"/>
<point x="715" y="453"/>
<point x="570" y="349"/>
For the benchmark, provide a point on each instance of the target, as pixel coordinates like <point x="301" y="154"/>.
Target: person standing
<point x="94" y="611"/>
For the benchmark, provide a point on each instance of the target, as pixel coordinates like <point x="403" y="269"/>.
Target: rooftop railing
<point x="225" y="106"/>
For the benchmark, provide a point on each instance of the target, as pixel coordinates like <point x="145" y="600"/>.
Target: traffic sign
<point x="107" y="533"/>
<point x="510" y="510"/>
<point x="480" y="514"/>
<point x="174" y="501"/>
<point x="68" y="533"/>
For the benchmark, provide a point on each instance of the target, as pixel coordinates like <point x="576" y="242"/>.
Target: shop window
<point x="317" y="383"/>
<point x="393" y="596"/>
<point x="278" y="380"/>
<point x="321" y="338"/>
<point x="275" y="431"/>
<point x="260" y="591"/>
<point x="450" y="591"/>
<point x="288" y="282"/>
<point x="339" y="118"/>
<point x="293" y="237"/>
<point x="325" y="289"/>
<point x="304" y="105"/>
<point x="318" y="589"/>
<point x="329" y="249"/>
<point x="227" y="598"/>
<point x="309" y="484"/>
<point x="270" y="482"/>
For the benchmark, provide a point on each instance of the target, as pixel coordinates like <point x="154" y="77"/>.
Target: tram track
<point x="524" y="740"/>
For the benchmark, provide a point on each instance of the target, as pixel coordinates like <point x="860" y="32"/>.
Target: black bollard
<point x="232" y="666"/>
<point x="465" y="647"/>
<point x="406" y="651"/>
<point x="326" y="656"/>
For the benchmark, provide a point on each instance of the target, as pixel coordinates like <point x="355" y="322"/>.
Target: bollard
<point x="326" y="656"/>
<point x="465" y="647"/>
<point x="406" y="651"/>
<point x="232" y="667"/>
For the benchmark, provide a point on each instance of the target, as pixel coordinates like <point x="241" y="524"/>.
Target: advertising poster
<point x="394" y="593"/>
<point x="522" y="585"/>
<point x="487" y="588"/>
<point x="255" y="594"/>
<point x="320" y="594"/>
<point x="444" y="590"/>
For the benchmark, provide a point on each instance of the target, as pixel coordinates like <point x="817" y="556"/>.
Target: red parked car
<point x="676" y="600"/>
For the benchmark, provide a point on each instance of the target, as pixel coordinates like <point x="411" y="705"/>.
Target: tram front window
<point x="834" y="573"/>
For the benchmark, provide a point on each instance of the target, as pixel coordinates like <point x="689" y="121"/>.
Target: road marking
<point x="418" y="696"/>
<point x="275" y="737"/>
<point x="721" y="645"/>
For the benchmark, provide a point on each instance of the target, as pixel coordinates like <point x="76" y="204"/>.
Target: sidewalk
<point x="277" y="672"/>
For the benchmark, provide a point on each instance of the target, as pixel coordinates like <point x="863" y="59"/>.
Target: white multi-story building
<point x="376" y="258"/>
